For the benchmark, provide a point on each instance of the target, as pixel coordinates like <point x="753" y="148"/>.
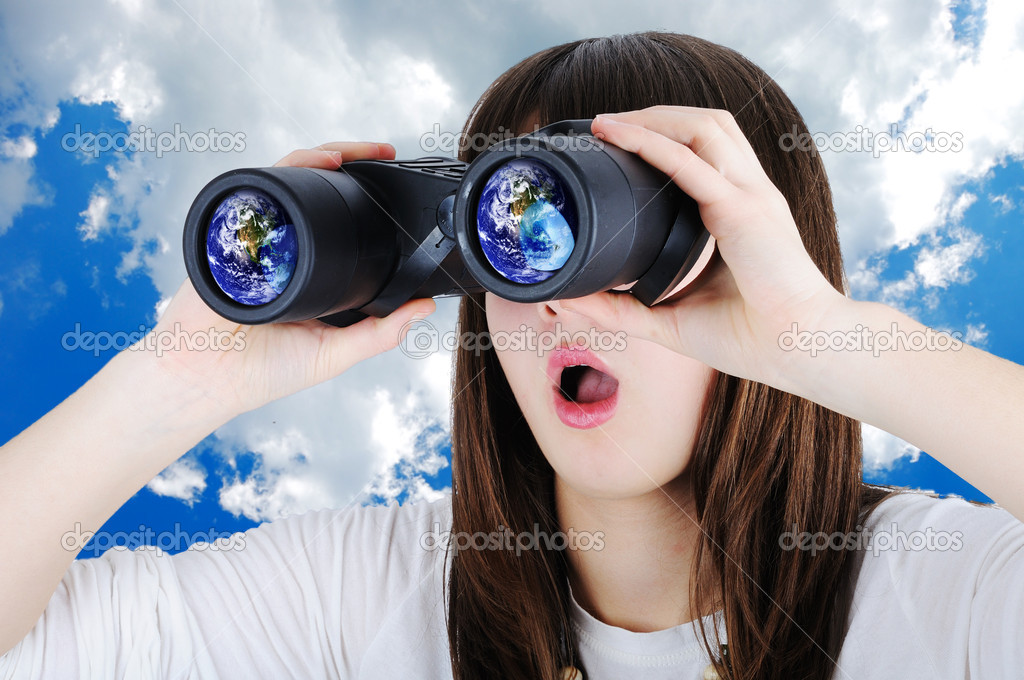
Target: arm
<point x="144" y="409"/>
<point x="962" y="405"/>
<point x="79" y="463"/>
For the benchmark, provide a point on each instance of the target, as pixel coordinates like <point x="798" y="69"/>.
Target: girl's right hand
<point x="268" y="361"/>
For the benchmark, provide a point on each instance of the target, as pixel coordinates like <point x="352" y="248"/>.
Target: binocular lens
<point x="526" y="221"/>
<point x="251" y="246"/>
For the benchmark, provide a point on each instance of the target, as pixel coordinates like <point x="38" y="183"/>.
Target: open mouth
<point x="584" y="392"/>
<point x="586" y="385"/>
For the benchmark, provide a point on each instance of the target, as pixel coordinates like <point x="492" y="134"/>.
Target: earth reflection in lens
<point x="251" y="246"/>
<point x="526" y="221"/>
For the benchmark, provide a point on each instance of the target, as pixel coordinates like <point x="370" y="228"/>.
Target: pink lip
<point x="573" y="414"/>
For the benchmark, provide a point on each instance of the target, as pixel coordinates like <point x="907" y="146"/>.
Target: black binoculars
<point x="556" y="213"/>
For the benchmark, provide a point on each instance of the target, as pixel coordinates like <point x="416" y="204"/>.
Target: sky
<point x="91" y="240"/>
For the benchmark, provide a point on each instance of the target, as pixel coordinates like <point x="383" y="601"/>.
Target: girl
<point x="711" y="522"/>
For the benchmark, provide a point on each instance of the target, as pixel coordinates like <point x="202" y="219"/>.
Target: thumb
<point x="371" y="336"/>
<point x="622" y="311"/>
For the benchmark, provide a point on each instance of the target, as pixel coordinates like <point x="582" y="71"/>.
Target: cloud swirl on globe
<point x="251" y="246"/>
<point x="526" y="221"/>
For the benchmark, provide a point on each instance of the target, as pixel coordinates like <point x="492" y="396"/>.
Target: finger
<point x="371" y="336"/>
<point x="725" y="120"/>
<point x="330" y="156"/>
<point x="356" y="150"/>
<point x="703" y="132"/>
<point x="311" y="158"/>
<point x="694" y="175"/>
<point x="623" y="311"/>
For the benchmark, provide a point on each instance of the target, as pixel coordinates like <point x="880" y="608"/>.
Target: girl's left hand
<point x="731" y="317"/>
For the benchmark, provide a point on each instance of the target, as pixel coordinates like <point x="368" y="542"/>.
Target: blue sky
<point x="956" y="270"/>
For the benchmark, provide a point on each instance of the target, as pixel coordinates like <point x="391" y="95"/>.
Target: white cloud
<point x="938" y="267"/>
<point x="284" y="480"/>
<point x="184" y="479"/>
<point x="406" y="446"/>
<point x="945" y="261"/>
<point x="960" y="206"/>
<point x="895" y="293"/>
<point x="882" y="450"/>
<point x="160" y="307"/>
<point x="1004" y="202"/>
<point x="976" y="335"/>
<point x="18" y="187"/>
<point x="94" y="216"/>
<point x="23" y="147"/>
<point x="287" y="495"/>
<point x="115" y="76"/>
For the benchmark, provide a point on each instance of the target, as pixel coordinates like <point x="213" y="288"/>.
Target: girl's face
<point x="624" y="430"/>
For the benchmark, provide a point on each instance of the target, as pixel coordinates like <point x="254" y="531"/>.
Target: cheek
<point x="678" y="389"/>
<point x="501" y="314"/>
<point x="504" y="317"/>
<point x="668" y="395"/>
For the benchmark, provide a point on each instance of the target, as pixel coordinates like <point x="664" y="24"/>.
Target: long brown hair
<point x="763" y="460"/>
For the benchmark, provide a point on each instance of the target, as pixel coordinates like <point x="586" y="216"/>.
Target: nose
<point x="552" y="310"/>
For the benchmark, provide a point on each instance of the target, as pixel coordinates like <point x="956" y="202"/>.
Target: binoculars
<point x="552" y="214"/>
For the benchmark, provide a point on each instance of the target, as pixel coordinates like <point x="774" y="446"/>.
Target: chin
<point x="604" y="471"/>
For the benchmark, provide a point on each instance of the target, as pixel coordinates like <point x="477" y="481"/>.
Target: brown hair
<point x="763" y="459"/>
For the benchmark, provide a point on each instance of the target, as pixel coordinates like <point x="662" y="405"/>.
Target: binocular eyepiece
<point x="552" y="214"/>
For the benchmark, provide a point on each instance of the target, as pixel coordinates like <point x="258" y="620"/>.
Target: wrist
<point x="161" y="387"/>
<point x="815" y="336"/>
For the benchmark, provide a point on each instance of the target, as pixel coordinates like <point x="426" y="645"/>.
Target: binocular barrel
<point x="552" y="214"/>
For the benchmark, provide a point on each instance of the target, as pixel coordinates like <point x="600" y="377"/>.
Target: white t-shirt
<point x="357" y="593"/>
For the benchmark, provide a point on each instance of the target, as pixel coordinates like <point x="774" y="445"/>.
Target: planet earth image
<point x="251" y="246"/>
<point x="526" y="221"/>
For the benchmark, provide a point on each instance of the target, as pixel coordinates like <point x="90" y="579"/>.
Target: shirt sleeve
<point x="953" y="573"/>
<point x="996" y="644"/>
<point x="302" y="596"/>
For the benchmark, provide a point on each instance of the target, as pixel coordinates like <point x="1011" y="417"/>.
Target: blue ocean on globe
<point x="526" y="221"/>
<point x="251" y="246"/>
